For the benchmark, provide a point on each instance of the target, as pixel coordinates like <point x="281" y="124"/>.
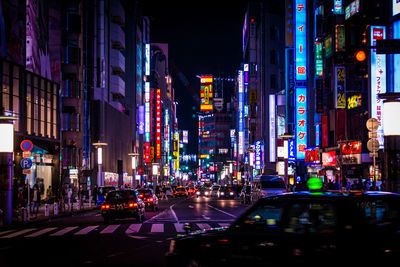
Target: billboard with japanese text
<point x="301" y="121"/>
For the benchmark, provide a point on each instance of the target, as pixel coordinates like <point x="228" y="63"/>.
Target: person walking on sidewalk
<point x="35" y="200"/>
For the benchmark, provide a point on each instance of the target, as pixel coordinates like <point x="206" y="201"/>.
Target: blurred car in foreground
<point x="214" y="191"/>
<point x="202" y="192"/>
<point x="226" y="192"/>
<point x="123" y="204"/>
<point x="149" y="198"/>
<point x="180" y="191"/>
<point x="300" y="228"/>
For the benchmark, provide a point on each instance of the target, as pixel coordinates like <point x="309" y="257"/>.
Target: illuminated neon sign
<point x="141" y="120"/>
<point x="158" y="123"/>
<point x="301" y="40"/>
<point x="147" y="121"/>
<point x="301" y="122"/>
<point x="378" y="79"/>
<point x="147" y="59"/>
<point x="206" y="93"/>
<point x="258" y="148"/>
<point x="241" y="113"/>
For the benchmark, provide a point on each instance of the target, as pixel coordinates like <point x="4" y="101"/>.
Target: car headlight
<point x="198" y="193"/>
<point x="222" y="193"/>
<point x="231" y="193"/>
<point x="206" y="193"/>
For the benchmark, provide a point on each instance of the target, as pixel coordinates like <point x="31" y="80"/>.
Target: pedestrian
<point x="35" y="200"/>
<point x="49" y="194"/>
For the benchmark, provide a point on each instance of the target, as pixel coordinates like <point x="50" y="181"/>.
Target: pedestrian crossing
<point x="128" y="229"/>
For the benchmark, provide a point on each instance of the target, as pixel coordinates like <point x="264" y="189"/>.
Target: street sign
<point x="372" y="124"/>
<point x="372" y="135"/>
<point x="26" y="163"/>
<point x="373" y="145"/>
<point x="388" y="46"/>
<point x="26" y="145"/>
<point x="373" y="154"/>
<point x="26" y="171"/>
<point x="26" y="154"/>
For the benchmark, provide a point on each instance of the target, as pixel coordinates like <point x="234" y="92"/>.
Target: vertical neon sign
<point x="141" y="120"/>
<point x="301" y="40"/>
<point x="241" y="119"/>
<point x="158" y="123"/>
<point x="301" y="121"/>
<point x="378" y="79"/>
<point x="147" y="121"/>
<point x="147" y="59"/>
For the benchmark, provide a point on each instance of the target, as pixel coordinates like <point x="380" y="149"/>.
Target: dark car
<point x="102" y="192"/>
<point x="226" y="192"/>
<point x="300" y="228"/>
<point x="180" y="191"/>
<point x="149" y="198"/>
<point x="123" y="204"/>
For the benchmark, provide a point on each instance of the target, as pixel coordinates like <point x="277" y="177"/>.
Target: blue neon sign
<point x="301" y="40"/>
<point x="301" y="122"/>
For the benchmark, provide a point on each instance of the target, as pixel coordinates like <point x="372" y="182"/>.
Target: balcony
<point x="117" y="62"/>
<point x="117" y="85"/>
<point x="117" y="37"/>
<point x="117" y="13"/>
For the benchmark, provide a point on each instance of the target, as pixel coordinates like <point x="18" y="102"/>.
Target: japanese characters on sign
<point x="241" y="113"/>
<point x="292" y="150"/>
<point x="329" y="158"/>
<point x="319" y="61"/>
<point x="301" y="121"/>
<point x="340" y="89"/>
<point x="258" y="158"/>
<point x="312" y="155"/>
<point x="351" y="148"/>
<point x="300" y="40"/>
<point x="378" y="79"/>
<point x="158" y="123"/>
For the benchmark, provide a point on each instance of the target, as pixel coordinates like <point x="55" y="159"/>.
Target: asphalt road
<point x="85" y="240"/>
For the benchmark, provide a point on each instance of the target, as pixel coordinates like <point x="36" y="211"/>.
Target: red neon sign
<point x="351" y="148"/>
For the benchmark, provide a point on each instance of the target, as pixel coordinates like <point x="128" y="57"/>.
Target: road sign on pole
<point x="26" y="163"/>
<point x="26" y="145"/>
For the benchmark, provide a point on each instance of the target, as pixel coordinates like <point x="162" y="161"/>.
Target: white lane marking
<point x="203" y="226"/>
<point x="86" y="230"/>
<point x="64" y="231"/>
<point x="42" y="232"/>
<point x="110" y="229"/>
<point x="224" y="212"/>
<point x="133" y="228"/>
<point x="6" y="232"/>
<point x="137" y="237"/>
<point x="205" y="217"/>
<point x="179" y="227"/>
<point x="173" y="213"/>
<point x="157" y="228"/>
<point x="191" y="206"/>
<point x="19" y="233"/>
<point x="224" y="224"/>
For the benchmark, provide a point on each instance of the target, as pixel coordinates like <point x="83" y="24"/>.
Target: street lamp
<point x="134" y="163"/>
<point x="99" y="146"/>
<point x="6" y="165"/>
<point x="155" y="172"/>
<point x="231" y="162"/>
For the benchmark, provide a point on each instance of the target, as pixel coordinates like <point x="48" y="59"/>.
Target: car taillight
<point x="150" y="199"/>
<point x="105" y="207"/>
<point x="140" y="195"/>
<point x="131" y="205"/>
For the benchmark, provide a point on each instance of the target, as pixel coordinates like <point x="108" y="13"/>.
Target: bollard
<point x="46" y="210"/>
<point x="69" y="204"/>
<point x="55" y="208"/>
<point x="78" y="204"/>
<point x="90" y="199"/>
<point x="24" y="214"/>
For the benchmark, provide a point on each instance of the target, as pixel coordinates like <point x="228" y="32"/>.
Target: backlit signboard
<point x="246" y="74"/>
<point x="340" y="90"/>
<point x="185" y="137"/>
<point x="272" y="129"/>
<point x="301" y="121"/>
<point x="352" y="9"/>
<point x="158" y="124"/>
<point x="319" y="62"/>
<point x="312" y="156"/>
<point x="206" y="93"/>
<point x="258" y="156"/>
<point x="351" y="148"/>
<point x="141" y="119"/>
<point x="166" y="132"/>
<point x="329" y="158"/>
<point x="396" y="57"/>
<point x="338" y="8"/>
<point x="378" y="79"/>
<point x="244" y="32"/>
<point x="147" y="59"/>
<point x="147" y="111"/>
<point x="291" y="150"/>
<point x="340" y="37"/>
<point x="396" y="7"/>
<point x="241" y="113"/>
<point x="301" y="40"/>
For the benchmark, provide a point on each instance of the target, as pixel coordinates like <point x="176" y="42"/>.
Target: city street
<point x="84" y="239"/>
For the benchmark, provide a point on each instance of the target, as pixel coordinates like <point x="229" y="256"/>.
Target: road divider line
<point x="224" y="212"/>
<point x="173" y="213"/>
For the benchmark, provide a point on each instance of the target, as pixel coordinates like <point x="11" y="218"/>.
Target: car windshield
<point x="105" y="190"/>
<point x="273" y="183"/>
<point x="125" y="195"/>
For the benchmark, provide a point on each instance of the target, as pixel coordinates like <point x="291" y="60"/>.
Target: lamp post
<point x="134" y="162"/>
<point x="391" y="131"/>
<point x="99" y="145"/>
<point x="6" y="166"/>
<point x="155" y="172"/>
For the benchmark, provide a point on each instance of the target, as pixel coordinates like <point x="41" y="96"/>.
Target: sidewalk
<point x="18" y="219"/>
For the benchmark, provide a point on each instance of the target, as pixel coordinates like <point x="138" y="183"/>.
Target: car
<point x="191" y="190"/>
<point x="313" y="228"/>
<point x="226" y="192"/>
<point x="180" y="191"/>
<point x="123" y="204"/>
<point x="102" y="192"/>
<point x="214" y="191"/>
<point x="269" y="185"/>
<point x="201" y="191"/>
<point x="149" y="198"/>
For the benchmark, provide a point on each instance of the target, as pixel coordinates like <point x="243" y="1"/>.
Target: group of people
<point x="35" y="198"/>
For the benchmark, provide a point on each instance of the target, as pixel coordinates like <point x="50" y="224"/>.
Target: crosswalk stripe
<point x="19" y="233"/>
<point x="42" y="232"/>
<point x="6" y="232"/>
<point x="110" y="229"/>
<point x="64" y="231"/>
<point x="157" y="228"/>
<point x="203" y="226"/>
<point x="86" y="230"/>
<point x="133" y="228"/>
<point x="179" y="227"/>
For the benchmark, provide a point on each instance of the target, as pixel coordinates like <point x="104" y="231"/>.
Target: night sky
<point x="204" y="37"/>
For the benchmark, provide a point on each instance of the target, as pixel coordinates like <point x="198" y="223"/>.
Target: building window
<point x="273" y="57"/>
<point x="28" y="103"/>
<point x="273" y="33"/>
<point x="273" y="81"/>
<point x="16" y="96"/>
<point x="6" y="86"/>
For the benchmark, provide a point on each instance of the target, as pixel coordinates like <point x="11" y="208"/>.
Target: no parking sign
<point x="26" y="145"/>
